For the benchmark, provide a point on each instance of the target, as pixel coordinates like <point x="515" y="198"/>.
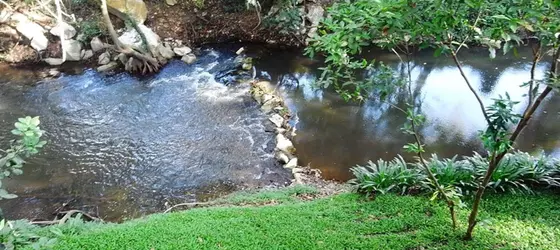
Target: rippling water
<point x="334" y="135"/>
<point x="123" y="147"/>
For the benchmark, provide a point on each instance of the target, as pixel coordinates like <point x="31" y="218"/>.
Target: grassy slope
<point x="345" y="221"/>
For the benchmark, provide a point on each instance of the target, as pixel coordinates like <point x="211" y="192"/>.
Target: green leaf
<point x="501" y="17"/>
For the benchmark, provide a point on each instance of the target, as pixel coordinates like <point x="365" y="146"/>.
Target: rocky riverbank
<point x="33" y="33"/>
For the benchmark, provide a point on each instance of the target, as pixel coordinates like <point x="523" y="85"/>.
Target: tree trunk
<point x="495" y="161"/>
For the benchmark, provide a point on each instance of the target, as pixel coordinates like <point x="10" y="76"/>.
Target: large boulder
<point x="135" y="9"/>
<point x="32" y="31"/>
<point x="132" y="38"/>
<point x="73" y="50"/>
<point x="65" y="28"/>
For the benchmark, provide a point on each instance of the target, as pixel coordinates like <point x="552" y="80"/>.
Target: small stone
<point x="171" y="2"/>
<point x="53" y="61"/>
<point x="53" y="72"/>
<point x="240" y="51"/>
<point x="104" y="58"/>
<point x="165" y="51"/>
<point x="277" y="120"/>
<point x="108" y="67"/>
<point x="87" y="54"/>
<point x="282" y="157"/>
<point x="122" y="58"/>
<point x="284" y="144"/>
<point x="97" y="45"/>
<point x="189" y="58"/>
<point x="291" y="164"/>
<point x="182" y="51"/>
<point x="65" y="29"/>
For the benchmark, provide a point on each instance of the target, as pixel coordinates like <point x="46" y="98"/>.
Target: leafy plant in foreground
<point x="29" y="144"/>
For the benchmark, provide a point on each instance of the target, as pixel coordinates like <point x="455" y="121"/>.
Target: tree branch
<point x="480" y="103"/>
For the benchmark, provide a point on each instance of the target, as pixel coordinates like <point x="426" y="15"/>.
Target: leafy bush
<point x="287" y="20"/>
<point x="517" y="172"/>
<point x="451" y="172"/>
<point x="29" y="144"/>
<point x="386" y="176"/>
<point x="89" y="30"/>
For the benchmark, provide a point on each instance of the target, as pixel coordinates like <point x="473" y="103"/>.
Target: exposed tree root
<point x="138" y="61"/>
<point x="66" y="217"/>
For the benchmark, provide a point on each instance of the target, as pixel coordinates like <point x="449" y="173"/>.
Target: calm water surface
<point x="334" y="135"/>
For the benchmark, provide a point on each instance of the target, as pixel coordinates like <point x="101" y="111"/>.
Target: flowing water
<point x="122" y="147"/>
<point x="334" y="135"/>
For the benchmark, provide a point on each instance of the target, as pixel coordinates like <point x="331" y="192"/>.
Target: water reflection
<point x="335" y="135"/>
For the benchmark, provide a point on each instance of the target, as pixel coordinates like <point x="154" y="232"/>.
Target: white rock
<point x="97" y="45"/>
<point x="40" y="43"/>
<point x="277" y="120"/>
<point x="165" y="51"/>
<point x="240" y="51"/>
<point x="73" y="50"/>
<point x="182" y="51"/>
<point x="284" y="144"/>
<point x="132" y="38"/>
<point x="53" y="61"/>
<point x="34" y="32"/>
<point x="189" y="58"/>
<point x="291" y="164"/>
<point x="171" y="2"/>
<point x="121" y="58"/>
<point x="108" y="67"/>
<point x="65" y="28"/>
<point x="281" y="157"/>
<point x="104" y="58"/>
<point x="5" y="15"/>
<point x="87" y="54"/>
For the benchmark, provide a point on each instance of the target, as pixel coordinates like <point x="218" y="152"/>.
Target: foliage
<point x="89" y="30"/>
<point x="501" y="118"/>
<point x="451" y="172"/>
<point x="20" y="233"/>
<point x="287" y="20"/>
<point x="517" y="172"/>
<point x="398" y="24"/>
<point x="341" y="222"/>
<point x="12" y="161"/>
<point x="386" y="176"/>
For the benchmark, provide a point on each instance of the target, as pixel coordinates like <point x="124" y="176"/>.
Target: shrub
<point x="451" y="172"/>
<point x="386" y="176"/>
<point x="287" y="20"/>
<point x="517" y="172"/>
<point x="89" y="30"/>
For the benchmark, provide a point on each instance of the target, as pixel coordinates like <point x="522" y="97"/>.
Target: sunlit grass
<point x="346" y="221"/>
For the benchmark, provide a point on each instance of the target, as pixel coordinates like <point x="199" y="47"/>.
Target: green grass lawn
<point x="346" y="221"/>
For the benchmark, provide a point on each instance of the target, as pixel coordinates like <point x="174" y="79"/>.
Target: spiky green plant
<point x="386" y="176"/>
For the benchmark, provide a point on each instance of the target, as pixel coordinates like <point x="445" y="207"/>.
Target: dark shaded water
<point x="334" y="135"/>
<point x="123" y="147"/>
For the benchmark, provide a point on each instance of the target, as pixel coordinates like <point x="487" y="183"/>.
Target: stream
<point x="121" y="147"/>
